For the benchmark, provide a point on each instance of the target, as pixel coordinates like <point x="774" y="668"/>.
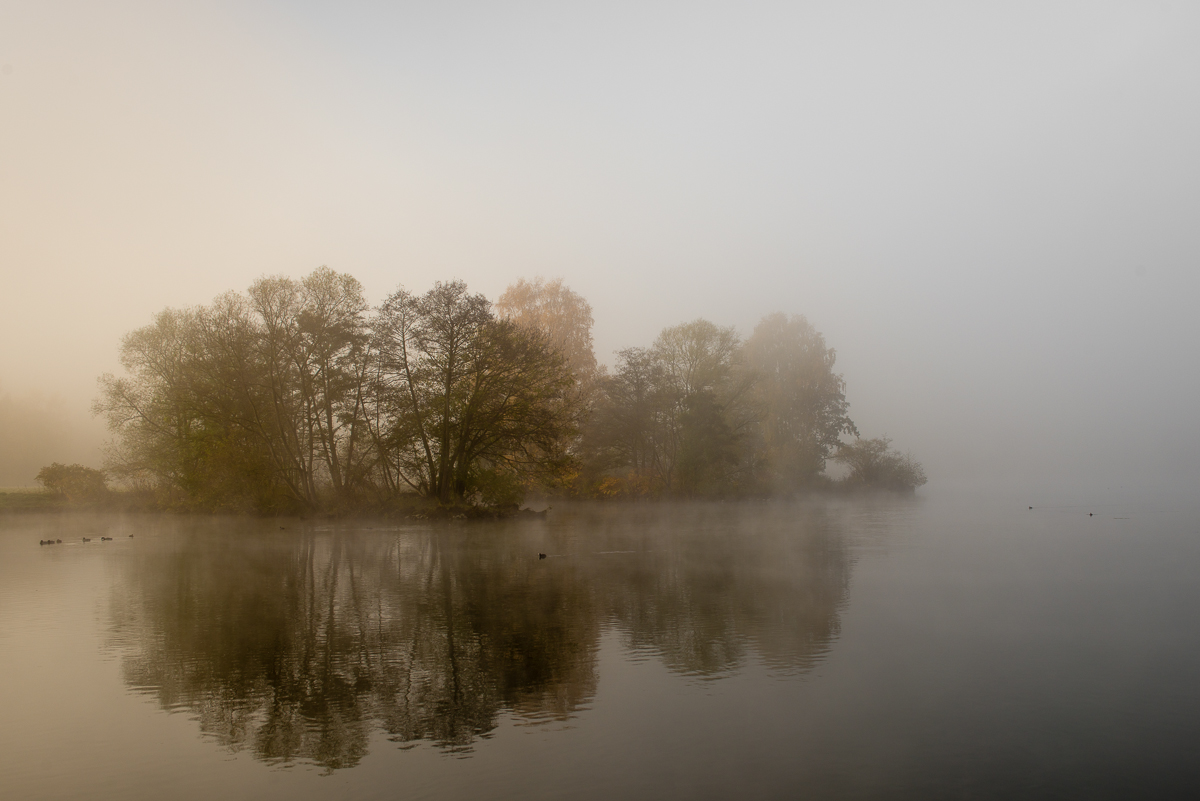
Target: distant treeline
<point x="298" y="395"/>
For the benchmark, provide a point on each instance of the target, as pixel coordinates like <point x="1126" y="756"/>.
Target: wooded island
<point x="298" y="396"/>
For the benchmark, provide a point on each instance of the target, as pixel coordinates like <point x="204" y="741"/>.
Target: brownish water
<point x="947" y="646"/>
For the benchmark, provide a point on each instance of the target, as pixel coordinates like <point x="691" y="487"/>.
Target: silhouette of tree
<point x="467" y="399"/>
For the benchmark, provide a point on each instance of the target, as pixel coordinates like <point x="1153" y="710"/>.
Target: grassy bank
<point x="29" y="499"/>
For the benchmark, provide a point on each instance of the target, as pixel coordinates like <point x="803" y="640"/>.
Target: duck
<point x="541" y="556"/>
<point x="87" y="539"/>
<point x="102" y="539"/>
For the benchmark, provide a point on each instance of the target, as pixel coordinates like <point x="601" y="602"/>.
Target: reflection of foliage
<point x="292" y="648"/>
<point x="297" y="647"/>
<point x="711" y="582"/>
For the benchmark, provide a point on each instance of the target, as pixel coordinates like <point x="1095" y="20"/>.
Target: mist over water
<point x="880" y="647"/>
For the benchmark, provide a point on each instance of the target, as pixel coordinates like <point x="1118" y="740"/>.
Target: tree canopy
<point x="298" y="394"/>
<point x="558" y="312"/>
<point x="704" y="413"/>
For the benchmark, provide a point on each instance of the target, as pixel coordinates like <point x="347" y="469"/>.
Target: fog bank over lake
<point x="988" y="212"/>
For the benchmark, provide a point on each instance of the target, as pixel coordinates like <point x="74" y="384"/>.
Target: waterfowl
<point x="87" y="539"/>
<point x="541" y="556"/>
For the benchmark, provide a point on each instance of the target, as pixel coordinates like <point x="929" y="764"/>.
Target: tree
<point x="670" y="418"/>
<point x="698" y="356"/>
<point x="332" y="361"/>
<point x="624" y="437"/>
<point x="873" y="463"/>
<point x="706" y="412"/>
<point x="257" y="400"/>
<point x="800" y="400"/>
<point x="559" y="313"/>
<point x="467" y="398"/>
<point x="313" y="344"/>
<point x="150" y="409"/>
<point x="73" y="481"/>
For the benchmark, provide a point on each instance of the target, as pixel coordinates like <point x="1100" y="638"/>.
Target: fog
<point x="988" y="212"/>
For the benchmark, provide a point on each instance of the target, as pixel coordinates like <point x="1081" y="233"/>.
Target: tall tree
<point x="150" y="409"/>
<point x="668" y="419"/>
<point x="623" y="437"/>
<point x="801" y="401"/>
<point x="699" y="361"/>
<point x="333" y="362"/>
<point x="472" y="399"/>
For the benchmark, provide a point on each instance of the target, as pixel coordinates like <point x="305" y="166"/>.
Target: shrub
<point x="73" y="481"/>
<point x="873" y="463"/>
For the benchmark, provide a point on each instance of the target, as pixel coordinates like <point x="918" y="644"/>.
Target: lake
<point x="949" y="645"/>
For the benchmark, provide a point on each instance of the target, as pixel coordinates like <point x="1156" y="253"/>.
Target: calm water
<point x="938" y="647"/>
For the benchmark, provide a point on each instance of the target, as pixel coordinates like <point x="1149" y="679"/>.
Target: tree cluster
<point x="702" y="412"/>
<point x="299" y="395"/>
<point x="873" y="463"/>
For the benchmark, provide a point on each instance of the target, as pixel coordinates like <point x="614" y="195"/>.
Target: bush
<point x="74" y="482"/>
<point x="873" y="463"/>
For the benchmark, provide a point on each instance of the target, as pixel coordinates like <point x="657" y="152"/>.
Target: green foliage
<point x="874" y="464"/>
<point x="76" y="483"/>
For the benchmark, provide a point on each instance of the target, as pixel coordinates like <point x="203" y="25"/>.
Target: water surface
<point x="946" y="646"/>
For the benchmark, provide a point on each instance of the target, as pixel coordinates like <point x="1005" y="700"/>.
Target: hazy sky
<point x="992" y="211"/>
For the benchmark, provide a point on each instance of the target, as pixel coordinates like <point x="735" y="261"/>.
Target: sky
<point x="991" y="211"/>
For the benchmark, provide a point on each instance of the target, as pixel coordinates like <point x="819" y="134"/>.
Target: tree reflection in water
<point x="297" y="645"/>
